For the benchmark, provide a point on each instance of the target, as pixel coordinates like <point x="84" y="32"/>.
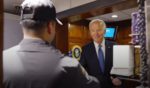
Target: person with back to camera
<point x="34" y="62"/>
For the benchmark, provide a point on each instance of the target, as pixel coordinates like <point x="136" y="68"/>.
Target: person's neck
<point x="99" y="42"/>
<point x="33" y="37"/>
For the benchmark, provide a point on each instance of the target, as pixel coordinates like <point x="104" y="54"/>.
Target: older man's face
<point x="97" y="32"/>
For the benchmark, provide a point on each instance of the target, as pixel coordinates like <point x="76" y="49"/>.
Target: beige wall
<point x="1" y="40"/>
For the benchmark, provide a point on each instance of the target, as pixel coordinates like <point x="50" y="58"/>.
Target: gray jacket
<point x="36" y="64"/>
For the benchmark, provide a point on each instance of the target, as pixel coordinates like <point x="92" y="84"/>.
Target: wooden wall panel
<point x="76" y="31"/>
<point x="78" y="35"/>
<point x="61" y="40"/>
<point x="123" y="31"/>
<point x="123" y="35"/>
<point x="1" y="41"/>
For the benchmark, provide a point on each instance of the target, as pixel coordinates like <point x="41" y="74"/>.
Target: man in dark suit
<point x="97" y="56"/>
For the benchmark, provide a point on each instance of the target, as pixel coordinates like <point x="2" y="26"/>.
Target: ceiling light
<point x="69" y="25"/>
<point x="114" y="16"/>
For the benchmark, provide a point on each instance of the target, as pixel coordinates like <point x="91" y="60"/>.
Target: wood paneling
<point x="123" y="31"/>
<point x="61" y="40"/>
<point x="78" y="35"/>
<point x="76" y="31"/>
<point x="1" y="41"/>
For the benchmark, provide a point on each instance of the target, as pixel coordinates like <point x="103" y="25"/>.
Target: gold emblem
<point x="76" y="52"/>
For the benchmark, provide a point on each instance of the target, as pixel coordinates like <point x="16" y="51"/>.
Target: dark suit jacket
<point x="89" y="60"/>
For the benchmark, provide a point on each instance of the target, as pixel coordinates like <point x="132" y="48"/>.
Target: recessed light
<point x="69" y="25"/>
<point x="114" y="16"/>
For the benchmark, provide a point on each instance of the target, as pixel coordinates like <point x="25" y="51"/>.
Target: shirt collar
<point x="102" y="44"/>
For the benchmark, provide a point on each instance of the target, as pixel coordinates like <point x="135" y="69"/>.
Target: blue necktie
<point x="101" y="59"/>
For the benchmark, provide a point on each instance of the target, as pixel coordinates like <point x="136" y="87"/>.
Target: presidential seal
<point x="76" y="52"/>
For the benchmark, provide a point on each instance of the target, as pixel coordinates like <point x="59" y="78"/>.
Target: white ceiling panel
<point x="75" y="3"/>
<point x="62" y="5"/>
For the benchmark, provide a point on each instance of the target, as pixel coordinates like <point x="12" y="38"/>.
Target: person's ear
<point x="49" y="27"/>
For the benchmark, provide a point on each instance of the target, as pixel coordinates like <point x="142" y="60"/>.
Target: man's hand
<point x="116" y="81"/>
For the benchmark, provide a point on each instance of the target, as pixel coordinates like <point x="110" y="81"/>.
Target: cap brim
<point x="58" y="21"/>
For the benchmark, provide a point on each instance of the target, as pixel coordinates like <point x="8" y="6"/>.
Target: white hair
<point x="101" y="22"/>
<point x="35" y="3"/>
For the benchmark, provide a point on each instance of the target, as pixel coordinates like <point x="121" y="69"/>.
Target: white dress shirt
<point x="97" y="47"/>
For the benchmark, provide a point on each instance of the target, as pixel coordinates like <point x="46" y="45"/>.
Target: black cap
<point x="38" y="10"/>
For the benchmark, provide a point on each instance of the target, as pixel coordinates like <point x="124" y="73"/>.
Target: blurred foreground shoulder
<point x="78" y="75"/>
